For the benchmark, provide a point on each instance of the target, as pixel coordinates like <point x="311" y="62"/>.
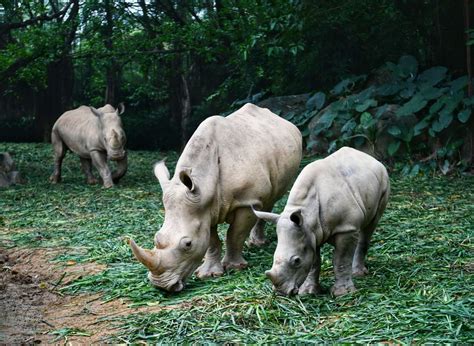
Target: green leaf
<point x="349" y="126"/>
<point x="388" y="89"/>
<point x="365" y="105"/>
<point x="436" y="126"/>
<point x="394" y="131"/>
<point x="393" y="148"/>
<point x="324" y="122"/>
<point x="458" y="83"/>
<point x="407" y="90"/>
<point x="424" y="123"/>
<point x="431" y="93"/>
<point x="464" y="115"/>
<point x="408" y="66"/>
<point x="316" y="102"/>
<point x="366" y="120"/>
<point x="433" y="75"/>
<point x="415" y="104"/>
<point x="341" y="87"/>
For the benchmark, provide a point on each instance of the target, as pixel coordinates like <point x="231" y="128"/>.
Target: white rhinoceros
<point x="250" y="157"/>
<point x="96" y="135"/>
<point x="339" y="200"/>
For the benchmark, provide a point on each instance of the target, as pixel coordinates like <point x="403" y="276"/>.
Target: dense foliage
<point x="175" y="62"/>
<point x="419" y="289"/>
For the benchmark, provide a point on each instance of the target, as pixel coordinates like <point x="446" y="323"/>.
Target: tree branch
<point x="4" y="27"/>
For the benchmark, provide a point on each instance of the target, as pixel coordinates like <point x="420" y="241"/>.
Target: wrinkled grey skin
<point x="250" y="157"/>
<point x="338" y="200"/>
<point x="96" y="135"/>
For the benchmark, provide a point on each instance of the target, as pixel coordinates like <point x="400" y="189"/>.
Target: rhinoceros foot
<point x="209" y="269"/>
<point x="234" y="264"/>
<point x="310" y="289"/>
<point x="342" y="289"/>
<point x="359" y="271"/>
<point x="108" y="184"/>
<point x="92" y="181"/>
<point x="55" y="179"/>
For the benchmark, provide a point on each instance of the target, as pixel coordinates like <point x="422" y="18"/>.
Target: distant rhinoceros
<point x="96" y="135"/>
<point x="250" y="157"/>
<point x="339" y="200"/>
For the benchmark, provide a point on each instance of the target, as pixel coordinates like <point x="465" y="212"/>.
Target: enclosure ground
<point x="68" y="275"/>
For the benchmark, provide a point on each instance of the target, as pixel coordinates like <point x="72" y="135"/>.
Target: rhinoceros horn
<point x="270" y="217"/>
<point x="162" y="174"/>
<point x="149" y="258"/>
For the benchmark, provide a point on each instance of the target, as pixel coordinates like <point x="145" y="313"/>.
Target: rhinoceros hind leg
<point x="345" y="245"/>
<point x="358" y="264"/>
<point x="59" y="149"/>
<point x="238" y="231"/>
<point x="86" y="165"/>
<point x="212" y="266"/>
<point x="257" y="234"/>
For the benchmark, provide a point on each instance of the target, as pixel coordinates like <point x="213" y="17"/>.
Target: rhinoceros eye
<point x="186" y="243"/>
<point x="295" y="261"/>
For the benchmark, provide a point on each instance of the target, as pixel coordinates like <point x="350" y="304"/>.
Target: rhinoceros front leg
<point x="257" y="234"/>
<point x="122" y="166"/>
<point x="311" y="284"/>
<point x="86" y="165"/>
<point x="238" y="231"/>
<point x="100" y="162"/>
<point x="212" y="260"/>
<point x="345" y="245"/>
<point x="59" y="149"/>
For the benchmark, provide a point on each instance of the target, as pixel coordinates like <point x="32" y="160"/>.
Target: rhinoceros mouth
<point x="116" y="157"/>
<point x="167" y="285"/>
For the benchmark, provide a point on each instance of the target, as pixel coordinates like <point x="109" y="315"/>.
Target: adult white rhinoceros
<point x="95" y="135"/>
<point x="229" y="164"/>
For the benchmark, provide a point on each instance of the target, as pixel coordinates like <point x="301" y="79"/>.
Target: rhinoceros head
<point x="112" y="133"/>
<point x="294" y="254"/>
<point x="183" y="239"/>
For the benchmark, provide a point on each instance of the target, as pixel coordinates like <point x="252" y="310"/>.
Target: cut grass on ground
<point x="421" y="261"/>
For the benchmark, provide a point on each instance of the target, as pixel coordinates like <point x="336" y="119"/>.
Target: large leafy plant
<point x="426" y="111"/>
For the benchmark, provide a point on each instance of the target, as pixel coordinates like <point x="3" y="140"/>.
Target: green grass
<point x="421" y="262"/>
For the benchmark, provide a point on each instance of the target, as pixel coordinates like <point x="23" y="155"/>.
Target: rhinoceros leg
<point x="345" y="245"/>
<point x="311" y="284"/>
<point x="358" y="264"/>
<point x="257" y="234"/>
<point x="238" y="231"/>
<point x="121" y="169"/>
<point x="212" y="260"/>
<point x="86" y="165"/>
<point x="59" y="152"/>
<point x="100" y="162"/>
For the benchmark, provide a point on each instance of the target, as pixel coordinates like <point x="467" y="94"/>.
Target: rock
<point x="8" y="173"/>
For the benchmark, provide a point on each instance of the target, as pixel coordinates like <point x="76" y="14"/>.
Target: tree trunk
<point x="56" y="98"/>
<point x="113" y="68"/>
<point x="468" y="147"/>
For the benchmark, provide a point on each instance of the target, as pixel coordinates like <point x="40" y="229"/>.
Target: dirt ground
<point x="32" y="310"/>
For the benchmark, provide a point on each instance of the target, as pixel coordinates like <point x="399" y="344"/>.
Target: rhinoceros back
<point x="79" y="129"/>
<point x="253" y="153"/>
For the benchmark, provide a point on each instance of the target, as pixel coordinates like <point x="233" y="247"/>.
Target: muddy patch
<point x="32" y="310"/>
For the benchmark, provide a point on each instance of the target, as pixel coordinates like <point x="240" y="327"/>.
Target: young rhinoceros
<point x="96" y="135"/>
<point x="338" y="200"/>
<point x="250" y="157"/>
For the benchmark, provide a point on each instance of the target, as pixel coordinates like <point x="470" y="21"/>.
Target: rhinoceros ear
<point x="296" y="218"/>
<point x="96" y="112"/>
<point x="162" y="174"/>
<point x="270" y="217"/>
<point x="187" y="180"/>
<point x="120" y="108"/>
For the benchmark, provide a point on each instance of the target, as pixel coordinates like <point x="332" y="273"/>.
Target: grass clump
<point x="419" y="288"/>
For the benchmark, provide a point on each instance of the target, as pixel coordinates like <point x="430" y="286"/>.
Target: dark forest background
<point x="175" y="62"/>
